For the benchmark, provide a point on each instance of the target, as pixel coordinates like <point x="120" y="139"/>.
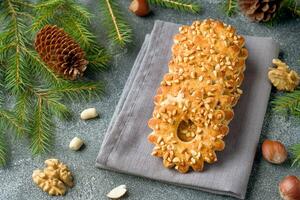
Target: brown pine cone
<point x="60" y="52"/>
<point x="259" y="10"/>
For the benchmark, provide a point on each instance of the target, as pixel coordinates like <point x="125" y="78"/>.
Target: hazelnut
<point x="289" y="188"/>
<point x="140" y="7"/>
<point x="274" y="151"/>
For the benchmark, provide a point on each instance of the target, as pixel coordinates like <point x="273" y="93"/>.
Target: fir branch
<point x="3" y="149"/>
<point x="9" y="121"/>
<point x="119" y="30"/>
<point x="41" y="128"/>
<point x="56" y="108"/>
<point x="80" y="12"/>
<point x="16" y="74"/>
<point x="74" y="90"/>
<point x="49" y="4"/>
<point x="98" y="59"/>
<point x="45" y="11"/>
<point x="288" y="103"/>
<point x="23" y="3"/>
<point x="295" y="149"/>
<point x="78" y="31"/>
<point x="39" y="67"/>
<point x="181" y="5"/>
<point x="293" y="6"/>
<point x="230" y="7"/>
<point x="22" y="109"/>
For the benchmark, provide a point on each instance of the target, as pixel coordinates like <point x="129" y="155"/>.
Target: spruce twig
<point x="288" y="103"/>
<point x="41" y="128"/>
<point x="8" y="121"/>
<point x="230" y="7"/>
<point x="17" y="73"/>
<point x="295" y="149"/>
<point x="22" y="109"/>
<point x="181" y="5"/>
<point x="74" y="90"/>
<point x="119" y="31"/>
<point x="294" y="7"/>
<point x="3" y="149"/>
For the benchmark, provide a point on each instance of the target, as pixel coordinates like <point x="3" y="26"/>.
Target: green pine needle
<point x="288" y="103"/>
<point x="22" y="109"/>
<point x="230" y="7"/>
<point x="98" y="59"/>
<point x="119" y="31"/>
<point x="41" y="128"/>
<point x="58" y="109"/>
<point x="16" y="75"/>
<point x="74" y="90"/>
<point x="294" y="7"/>
<point x="39" y="68"/>
<point x="10" y="121"/>
<point x="3" y="149"/>
<point x="13" y="39"/>
<point x="295" y="149"/>
<point x="181" y="5"/>
<point x="79" y="32"/>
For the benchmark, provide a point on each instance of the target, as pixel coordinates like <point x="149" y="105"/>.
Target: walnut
<point x="54" y="179"/>
<point x="61" y="170"/>
<point x="282" y="77"/>
<point x="48" y="184"/>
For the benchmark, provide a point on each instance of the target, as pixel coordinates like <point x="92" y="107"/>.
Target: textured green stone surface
<point x="93" y="183"/>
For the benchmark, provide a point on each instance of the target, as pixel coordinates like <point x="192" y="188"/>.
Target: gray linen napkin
<point x="125" y="147"/>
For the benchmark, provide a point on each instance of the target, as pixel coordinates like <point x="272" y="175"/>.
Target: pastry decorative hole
<point x="186" y="130"/>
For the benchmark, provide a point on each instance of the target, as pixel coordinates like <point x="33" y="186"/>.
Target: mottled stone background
<point x="93" y="183"/>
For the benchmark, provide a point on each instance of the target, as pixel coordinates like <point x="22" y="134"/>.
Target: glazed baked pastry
<point x="195" y="100"/>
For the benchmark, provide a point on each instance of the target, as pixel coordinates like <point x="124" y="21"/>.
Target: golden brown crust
<point x="193" y="104"/>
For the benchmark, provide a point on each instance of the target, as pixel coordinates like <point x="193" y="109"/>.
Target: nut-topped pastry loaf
<point x="194" y="103"/>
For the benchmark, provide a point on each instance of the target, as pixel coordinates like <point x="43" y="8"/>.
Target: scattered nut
<point x="274" y="151"/>
<point x="289" y="188"/>
<point x="117" y="192"/>
<point x="54" y="187"/>
<point x="140" y="7"/>
<point x="282" y="77"/>
<point x="76" y="143"/>
<point x="89" y="113"/>
<point x="54" y="178"/>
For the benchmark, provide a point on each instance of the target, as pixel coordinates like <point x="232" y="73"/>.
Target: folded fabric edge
<point x="219" y="192"/>
<point x="104" y="153"/>
<point x="142" y="53"/>
<point x="276" y="48"/>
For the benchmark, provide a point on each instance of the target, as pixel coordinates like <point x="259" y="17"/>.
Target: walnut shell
<point x="282" y="77"/>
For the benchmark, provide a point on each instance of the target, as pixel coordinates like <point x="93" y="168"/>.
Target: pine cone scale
<point x="259" y="10"/>
<point x="60" y="52"/>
